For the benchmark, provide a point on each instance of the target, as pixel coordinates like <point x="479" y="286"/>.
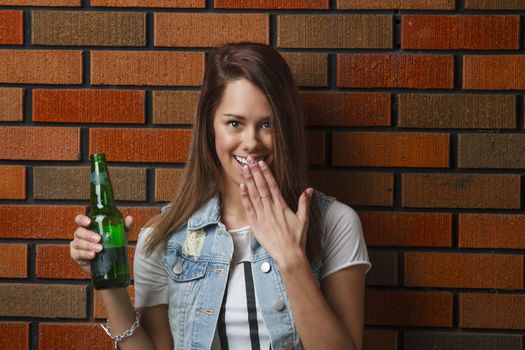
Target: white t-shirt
<point x="344" y="247"/>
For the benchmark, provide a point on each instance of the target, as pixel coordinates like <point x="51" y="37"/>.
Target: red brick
<point x="11" y="100"/>
<point x="45" y="222"/>
<point x="13" y="185"/>
<point x="379" y="339"/>
<point x="346" y="108"/>
<point x="356" y="188"/>
<point x="41" y="66"/>
<point x="13" y="260"/>
<point x="54" y="261"/>
<point x="495" y="311"/>
<point x="86" y="336"/>
<point x="273" y="4"/>
<point x="407" y="229"/>
<point x="395" y="70"/>
<point x="40" y="143"/>
<point x="98" y="305"/>
<point x="88" y="106"/>
<point x="463" y="270"/>
<point x="140" y="145"/>
<point x="161" y="68"/>
<point x="387" y="149"/>
<point x="167" y="182"/>
<point x="461" y="191"/>
<point x="449" y="32"/>
<point x="396" y="4"/>
<point x="491" y="231"/>
<point x="334" y="31"/>
<point x="140" y="217"/>
<point x="151" y="3"/>
<point x="15" y="335"/>
<point x="11" y="27"/>
<point x="494" y="5"/>
<point x="315" y="147"/>
<point x="420" y="309"/>
<point x="40" y="2"/>
<point x="494" y="72"/>
<point x="43" y="300"/>
<point x="209" y="29"/>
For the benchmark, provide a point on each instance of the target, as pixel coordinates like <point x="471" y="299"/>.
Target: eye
<point x="266" y="125"/>
<point x="233" y="124"/>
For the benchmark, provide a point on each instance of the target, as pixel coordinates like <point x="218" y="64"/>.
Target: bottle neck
<point x="101" y="190"/>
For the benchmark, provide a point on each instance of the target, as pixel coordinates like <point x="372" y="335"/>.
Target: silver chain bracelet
<point x="127" y="333"/>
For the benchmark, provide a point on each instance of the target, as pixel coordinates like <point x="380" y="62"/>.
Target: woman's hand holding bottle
<point x="86" y="243"/>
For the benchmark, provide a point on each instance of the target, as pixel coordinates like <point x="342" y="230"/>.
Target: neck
<point x="232" y="212"/>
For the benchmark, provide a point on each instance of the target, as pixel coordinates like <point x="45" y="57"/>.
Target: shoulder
<point x="341" y="214"/>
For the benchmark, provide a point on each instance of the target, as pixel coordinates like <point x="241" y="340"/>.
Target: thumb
<point x="304" y="205"/>
<point x="129" y="222"/>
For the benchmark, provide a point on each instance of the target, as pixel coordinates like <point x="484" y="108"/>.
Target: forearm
<point x="120" y="314"/>
<point x="318" y="325"/>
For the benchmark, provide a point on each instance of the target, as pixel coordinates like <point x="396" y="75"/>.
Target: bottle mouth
<point x="97" y="156"/>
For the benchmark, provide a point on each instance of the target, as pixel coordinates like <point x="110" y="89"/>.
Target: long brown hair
<point x="264" y="67"/>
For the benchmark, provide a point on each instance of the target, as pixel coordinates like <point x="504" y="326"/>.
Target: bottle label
<point x="98" y="178"/>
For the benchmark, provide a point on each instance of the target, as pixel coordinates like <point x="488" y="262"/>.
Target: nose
<point x="251" y="140"/>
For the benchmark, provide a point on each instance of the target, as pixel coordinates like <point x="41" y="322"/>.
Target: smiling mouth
<point x="244" y="160"/>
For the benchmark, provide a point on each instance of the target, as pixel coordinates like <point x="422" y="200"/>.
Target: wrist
<point x="292" y="261"/>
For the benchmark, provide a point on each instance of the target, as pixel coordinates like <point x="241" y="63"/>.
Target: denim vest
<point x="197" y="264"/>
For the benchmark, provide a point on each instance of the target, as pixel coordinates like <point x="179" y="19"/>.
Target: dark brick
<point x="417" y="340"/>
<point x="88" y="28"/>
<point x="384" y="269"/>
<point x="446" y="111"/>
<point x="74" y="183"/>
<point x="491" y="151"/>
<point x="461" y="191"/>
<point x="356" y="188"/>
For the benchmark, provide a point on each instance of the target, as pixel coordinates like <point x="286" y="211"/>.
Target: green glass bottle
<point x="110" y="267"/>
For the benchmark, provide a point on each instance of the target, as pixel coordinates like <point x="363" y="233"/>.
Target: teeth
<point x="244" y="160"/>
<point x="241" y="160"/>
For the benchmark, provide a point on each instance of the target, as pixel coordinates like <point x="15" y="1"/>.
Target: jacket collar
<point x="209" y="213"/>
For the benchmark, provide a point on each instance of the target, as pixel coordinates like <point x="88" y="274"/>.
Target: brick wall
<point x="415" y="113"/>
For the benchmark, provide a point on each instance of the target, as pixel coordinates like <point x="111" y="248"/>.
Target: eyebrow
<point x="240" y="116"/>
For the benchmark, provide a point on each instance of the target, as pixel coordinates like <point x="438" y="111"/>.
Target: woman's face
<point x="242" y="128"/>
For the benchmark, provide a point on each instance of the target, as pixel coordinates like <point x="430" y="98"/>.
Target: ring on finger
<point x="266" y="195"/>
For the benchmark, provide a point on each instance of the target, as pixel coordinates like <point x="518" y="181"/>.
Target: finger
<point x="272" y="184"/>
<point x="80" y="244"/>
<point x="260" y="181"/>
<point x="82" y="220"/>
<point x="81" y="256"/>
<point x="303" y="207"/>
<point x="87" y="235"/>
<point x="253" y="193"/>
<point x="247" y="204"/>
<point x="129" y="222"/>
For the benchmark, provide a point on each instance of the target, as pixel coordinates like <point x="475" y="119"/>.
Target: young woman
<point x="246" y="256"/>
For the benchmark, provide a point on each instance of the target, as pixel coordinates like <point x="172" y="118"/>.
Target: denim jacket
<point x="197" y="263"/>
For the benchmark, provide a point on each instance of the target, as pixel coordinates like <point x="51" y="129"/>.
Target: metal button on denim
<point x="265" y="267"/>
<point x="177" y="269"/>
<point x="278" y="305"/>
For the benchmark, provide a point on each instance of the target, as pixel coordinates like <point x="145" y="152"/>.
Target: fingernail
<point x="243" y="187"/>
<point x="246" y="169"/>
<point x="251" y="160"/>
<point x="309" y="191"/>
<point x="262" y="164"/>
<point x="95" y="237"/>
